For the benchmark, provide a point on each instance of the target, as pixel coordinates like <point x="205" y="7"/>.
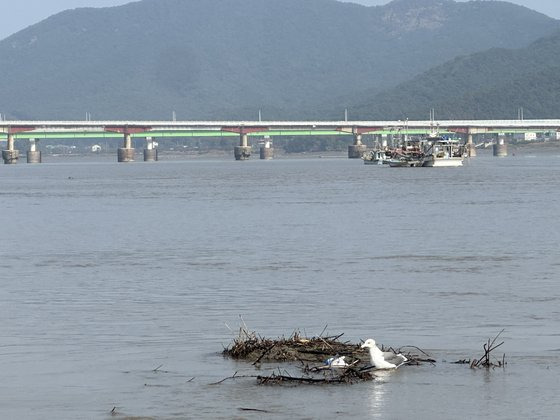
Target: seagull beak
<point x="363" y="346"/>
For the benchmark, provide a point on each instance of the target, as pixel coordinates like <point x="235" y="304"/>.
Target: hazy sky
<point x="18" y="14"/>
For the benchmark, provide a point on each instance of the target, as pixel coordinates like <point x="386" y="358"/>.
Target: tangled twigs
<point x="485" y="360"/>
<point x="347" y="376"/>
<point x="250" y="347"/>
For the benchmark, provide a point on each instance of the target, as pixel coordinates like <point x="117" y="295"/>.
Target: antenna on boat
<point x="406" y="130"/>
<point x="433" y="130"/>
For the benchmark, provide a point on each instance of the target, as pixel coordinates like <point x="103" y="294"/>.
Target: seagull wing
<point x="396" y="359"/>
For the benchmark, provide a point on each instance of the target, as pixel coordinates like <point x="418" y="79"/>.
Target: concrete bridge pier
<point x="471" y="149"/>
<point x="150" y="152"/>
<point x="126" y="153"/>
<point x="266" y="150"/>
<point x="243" y="151"/>
<point x="33" y="155"/>
<point x="500" y="147"/>
<point x="10" y="155"/>
<point x="356" y="150"/>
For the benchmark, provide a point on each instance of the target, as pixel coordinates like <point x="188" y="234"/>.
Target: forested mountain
<point x="491" y="84"/>
<point x="229" y="58"/>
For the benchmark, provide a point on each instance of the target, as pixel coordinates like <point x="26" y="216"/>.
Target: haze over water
<point x="109" y="271"/>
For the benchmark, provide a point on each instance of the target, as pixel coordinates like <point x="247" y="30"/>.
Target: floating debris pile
<point x="253" y="348"/>
<point x="321" y="359"/>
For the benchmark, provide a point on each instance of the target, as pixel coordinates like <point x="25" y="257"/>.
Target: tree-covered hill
<point x="230" y="58"/>
<point x="490" y="84"/>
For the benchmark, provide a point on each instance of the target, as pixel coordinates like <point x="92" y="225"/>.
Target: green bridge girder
<point x="206" y="133"/>
<point x="219" y="134"/>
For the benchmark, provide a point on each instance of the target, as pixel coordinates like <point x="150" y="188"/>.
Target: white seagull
<point x="383" y="359"/>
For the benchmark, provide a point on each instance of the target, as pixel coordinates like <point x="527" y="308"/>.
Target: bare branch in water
<point x="256" y="410"/>
<point x="485" y="360"/>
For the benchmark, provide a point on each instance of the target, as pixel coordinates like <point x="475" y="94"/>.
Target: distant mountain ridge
<point x="490" y="84"/>
<point x="230" y="58"/>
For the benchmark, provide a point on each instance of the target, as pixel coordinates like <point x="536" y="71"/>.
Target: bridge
<point x="35" y="130"/>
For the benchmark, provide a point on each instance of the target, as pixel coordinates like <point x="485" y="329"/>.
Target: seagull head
<point x="368" y="344"/>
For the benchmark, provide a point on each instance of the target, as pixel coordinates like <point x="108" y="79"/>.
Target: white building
<point x="530" y="136"/>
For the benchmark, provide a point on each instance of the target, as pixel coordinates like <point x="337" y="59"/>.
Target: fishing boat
<point x="376" y="157"/>
<point x="441" y="152"/>
<point x="409" y="154"/>
<point x="432" y="150"/>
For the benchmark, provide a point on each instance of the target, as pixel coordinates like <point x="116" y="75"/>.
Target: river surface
<point x="120" y="284"/>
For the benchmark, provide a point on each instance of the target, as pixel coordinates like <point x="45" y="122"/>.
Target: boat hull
<point x="405" y="163"/>
<point x="441" y="163"/>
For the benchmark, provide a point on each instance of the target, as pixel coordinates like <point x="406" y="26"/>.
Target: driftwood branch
<point x="256" y="410"/>
<point x="414" y="347"/>
<point x="264" y="353"/>
<point x="485" y="360"/>
<point x="348" y="375"/>
<point x="225" y="379"/>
